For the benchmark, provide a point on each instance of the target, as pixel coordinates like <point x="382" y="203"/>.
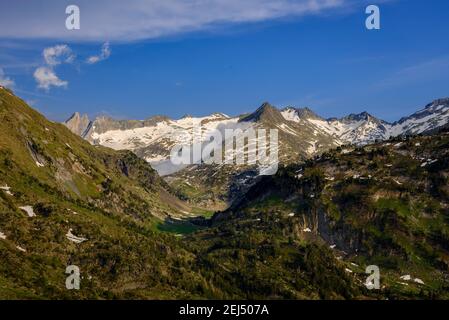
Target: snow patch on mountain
<point x="290" y="114"/>
<point x="71" y="237"/>
<point x="6" y="189"/>
<point x="29" y="211"/>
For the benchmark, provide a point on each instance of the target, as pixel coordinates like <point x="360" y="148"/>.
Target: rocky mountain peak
<point x="363" y="116"/>
<point x="307" y="113"/>
<point x="78" y="123"/>
<point x="266" y="112"/>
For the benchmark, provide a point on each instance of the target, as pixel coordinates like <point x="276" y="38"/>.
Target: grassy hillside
<point x="113" y="199"/>
<point x="385" y="204"/>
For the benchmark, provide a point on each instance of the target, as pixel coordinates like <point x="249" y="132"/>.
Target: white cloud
<point x="146" y="19"/>
<point x="46" y="78"/>
<point x="58" y="54"/>
<point x="104" y="54"/>
<point x="5" y="81"/>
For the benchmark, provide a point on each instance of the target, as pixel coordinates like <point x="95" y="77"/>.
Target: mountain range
<point x="303" y="132"/>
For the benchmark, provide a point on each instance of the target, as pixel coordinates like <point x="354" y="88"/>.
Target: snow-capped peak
<point x="434" y="116"/>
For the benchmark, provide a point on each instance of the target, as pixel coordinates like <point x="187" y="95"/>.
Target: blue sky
<point x="166" y="57"/>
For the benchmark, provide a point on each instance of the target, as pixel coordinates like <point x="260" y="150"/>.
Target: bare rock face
<point x="77" y="123"/>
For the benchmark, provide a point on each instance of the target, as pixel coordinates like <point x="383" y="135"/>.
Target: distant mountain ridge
<point x="303" y="133"/>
